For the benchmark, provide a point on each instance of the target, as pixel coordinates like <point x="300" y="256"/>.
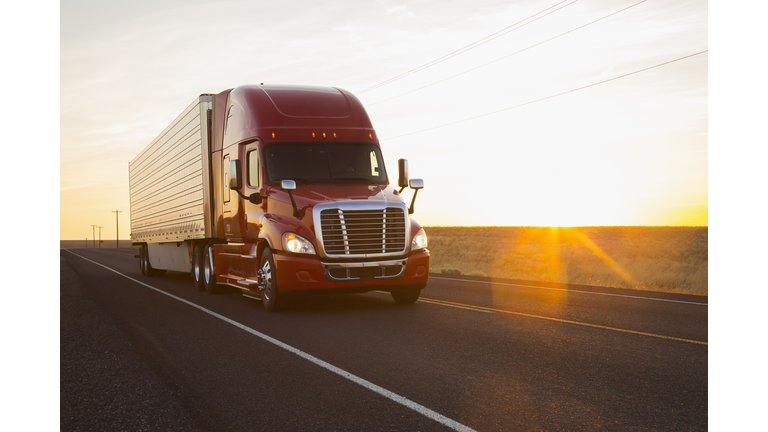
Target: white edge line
<point x="354" y="378"/>
<point x="569" y="290"/>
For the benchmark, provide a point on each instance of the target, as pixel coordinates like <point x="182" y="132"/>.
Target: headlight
<point x="419" y="240"/>
<point x="295" y="243"/>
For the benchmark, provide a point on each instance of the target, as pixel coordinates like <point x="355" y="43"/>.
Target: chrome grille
<point x="363" y="232"/>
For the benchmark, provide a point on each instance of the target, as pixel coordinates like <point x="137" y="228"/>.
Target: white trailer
<point x="170" y="189"/>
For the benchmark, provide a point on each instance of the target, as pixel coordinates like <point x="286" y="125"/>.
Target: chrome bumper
<point x="351" y="271"/>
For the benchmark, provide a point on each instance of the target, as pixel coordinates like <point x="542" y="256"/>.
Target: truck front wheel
<point x="269" y="294"/>
<point x="406" y="297"/>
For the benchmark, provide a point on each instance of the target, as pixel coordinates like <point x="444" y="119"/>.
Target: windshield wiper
<point x="296" y="179"/>
<point x="365" y="180"/>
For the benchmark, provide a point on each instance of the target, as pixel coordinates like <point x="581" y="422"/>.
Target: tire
<point x="406" y="296"/>
<point x="197" y="266"/>
<point x="142" y="262"/>
<point x="270" y="295"/>
<point x="209" y="272"/>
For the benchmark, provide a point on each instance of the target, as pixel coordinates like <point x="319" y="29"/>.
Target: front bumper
<point x="309" y="273"/>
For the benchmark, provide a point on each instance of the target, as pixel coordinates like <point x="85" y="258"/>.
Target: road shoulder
<point x="104" y="384"/>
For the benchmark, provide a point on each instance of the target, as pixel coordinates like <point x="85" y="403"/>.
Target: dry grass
<point x="108" y="244"/>
<point x="670" y="259"/>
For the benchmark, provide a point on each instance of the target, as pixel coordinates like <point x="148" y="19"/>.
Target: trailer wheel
<point x="406" y="297"/>
<point x="197" y="266"/>
<point x="142" y="262"/>
<point x="209" y="272"/>
<point x="269" y="295"/>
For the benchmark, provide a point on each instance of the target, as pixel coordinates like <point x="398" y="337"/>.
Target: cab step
<point x="251" y="295"/>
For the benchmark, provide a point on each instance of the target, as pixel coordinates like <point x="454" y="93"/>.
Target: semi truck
<point x="277" y="190"/>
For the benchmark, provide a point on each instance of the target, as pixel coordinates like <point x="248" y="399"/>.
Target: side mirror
<point x="287" y="185"/>
<point x="235" y="181"/>
<point x="416" y="184"/>
<point x="290" y="185"/>
<point x="402" y="170"/>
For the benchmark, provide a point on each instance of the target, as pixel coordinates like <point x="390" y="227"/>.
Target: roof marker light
<point x="273" y="135"/>
<point x="313" y="134"/>
<point x="334" y="135"/>
<point x="370" y="136"/>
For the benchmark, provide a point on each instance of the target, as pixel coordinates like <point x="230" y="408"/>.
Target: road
<point x="140" y="353"/>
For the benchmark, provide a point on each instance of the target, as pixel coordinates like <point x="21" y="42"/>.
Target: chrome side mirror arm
<point x="290" y="185"/>
<point x="415" y="184"/>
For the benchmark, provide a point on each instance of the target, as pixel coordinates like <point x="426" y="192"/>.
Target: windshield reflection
<point x="325" y="163"/>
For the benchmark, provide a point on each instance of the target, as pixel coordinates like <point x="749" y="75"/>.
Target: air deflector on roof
<point x="309" y="101"/>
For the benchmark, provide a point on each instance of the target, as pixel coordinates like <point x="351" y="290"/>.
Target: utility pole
<point x="100" y="235"/>
<point x="117" y="226"/>
<point x="94" y="235"/>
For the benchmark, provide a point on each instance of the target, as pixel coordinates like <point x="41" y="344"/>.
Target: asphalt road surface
<point x="141" y="353"/>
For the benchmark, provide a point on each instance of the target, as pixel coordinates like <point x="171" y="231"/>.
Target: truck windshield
<point x="325" y="163"/>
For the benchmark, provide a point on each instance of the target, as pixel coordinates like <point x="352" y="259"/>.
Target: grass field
<point x="108" y="244"/>
<point x="671" y="259"/>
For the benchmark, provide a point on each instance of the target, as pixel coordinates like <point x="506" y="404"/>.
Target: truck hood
<point x="308" y="197"/>
<point x="315" y="194"/>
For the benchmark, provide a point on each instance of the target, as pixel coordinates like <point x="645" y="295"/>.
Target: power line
<point x="473" y="45"/>
<point x="545" y="98"/>
<point x="506" y="56"/>
<point x="470" y="46"/>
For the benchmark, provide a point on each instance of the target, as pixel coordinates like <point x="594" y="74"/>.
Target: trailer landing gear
<point x="145" y="266"/>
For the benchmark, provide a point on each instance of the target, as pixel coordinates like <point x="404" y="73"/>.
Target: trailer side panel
<point x="169" y="181"/>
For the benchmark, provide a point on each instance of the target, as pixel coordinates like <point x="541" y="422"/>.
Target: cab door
<point x="231" y="205"/>
<point x="253" y="209"/>
<point x="229" y="265"/>
<point x="253" y="181"/>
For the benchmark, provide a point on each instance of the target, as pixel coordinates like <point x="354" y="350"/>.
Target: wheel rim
<point x="197" y="264"/>
<point x="207" y="269"/>
<point x="267" y="269"/>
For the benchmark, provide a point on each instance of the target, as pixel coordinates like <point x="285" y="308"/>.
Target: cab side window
<point x="374" y="165"/>
<point x="253" y="168"/>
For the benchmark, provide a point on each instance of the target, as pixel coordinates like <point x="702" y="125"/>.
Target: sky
<point x="515" y="127"/>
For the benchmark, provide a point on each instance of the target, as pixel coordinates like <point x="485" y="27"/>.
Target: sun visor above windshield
<point x="288" y="113"/>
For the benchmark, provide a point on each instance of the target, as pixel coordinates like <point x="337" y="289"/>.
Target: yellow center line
<point x="486" y="309"/>
<point x="476" y="309"/>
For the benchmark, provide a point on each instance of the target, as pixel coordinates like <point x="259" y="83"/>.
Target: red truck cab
<point x="301" y="201"/>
